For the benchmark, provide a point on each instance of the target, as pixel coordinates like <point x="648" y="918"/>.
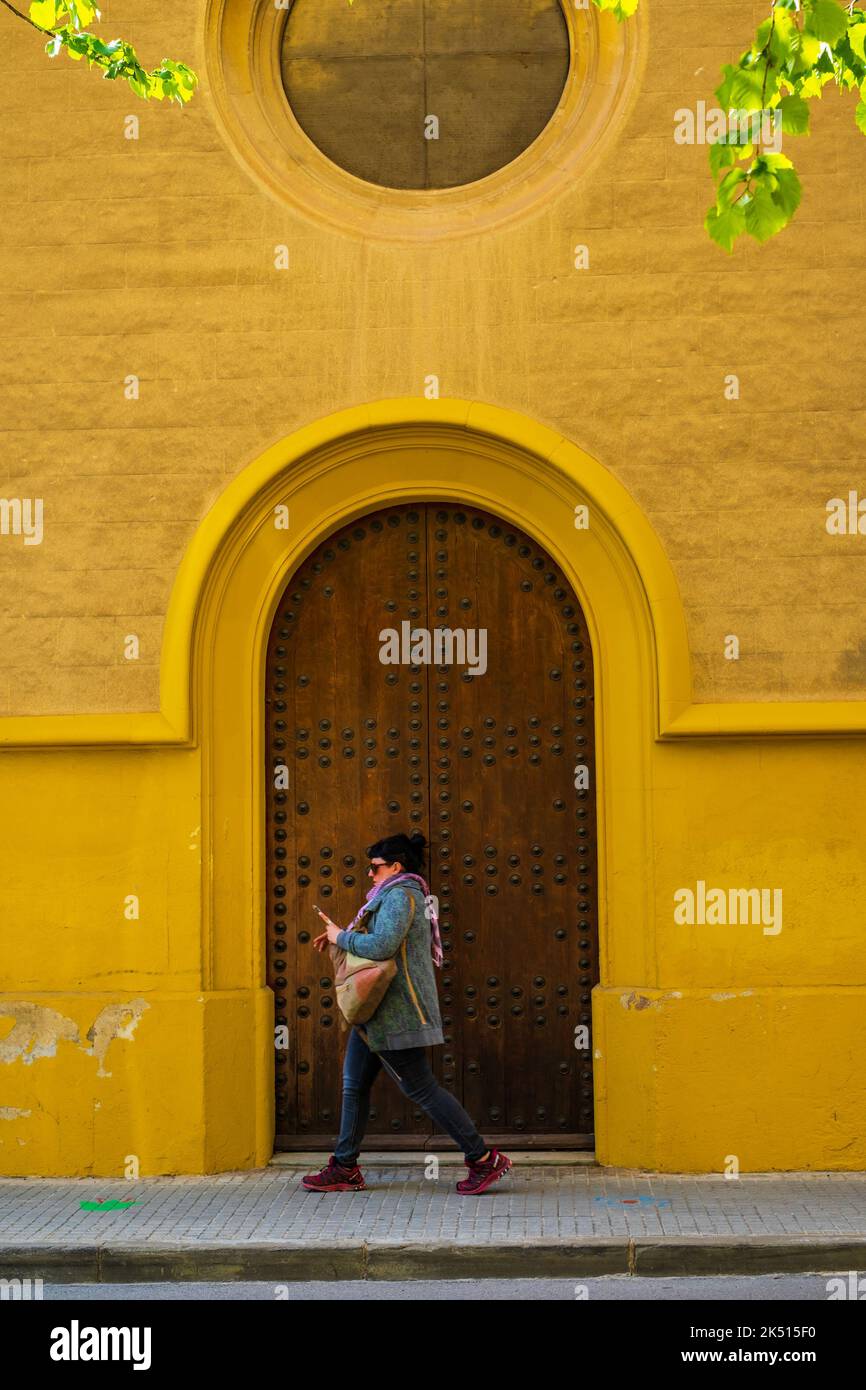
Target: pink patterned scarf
<point x="435" y="938"/>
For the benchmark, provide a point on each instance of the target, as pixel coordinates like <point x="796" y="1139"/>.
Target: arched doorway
<point x="486" y="743"/>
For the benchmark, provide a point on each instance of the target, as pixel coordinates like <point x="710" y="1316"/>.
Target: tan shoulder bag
<point x="361" y="984"/>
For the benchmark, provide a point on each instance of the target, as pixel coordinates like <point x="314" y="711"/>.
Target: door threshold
<point x="531" y="1158"/>
<point x="441" y="1143"/>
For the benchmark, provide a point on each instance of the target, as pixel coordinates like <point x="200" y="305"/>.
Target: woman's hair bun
<point x="407" y="849"/>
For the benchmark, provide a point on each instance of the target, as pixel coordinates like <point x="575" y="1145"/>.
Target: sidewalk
<point x="548" y="1217"/>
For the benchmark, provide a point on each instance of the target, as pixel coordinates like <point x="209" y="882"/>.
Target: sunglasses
<point x="376" y="865"/>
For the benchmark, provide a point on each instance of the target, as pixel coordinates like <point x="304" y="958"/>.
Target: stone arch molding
<point x="360" y="459"/>
<point x="303" y="489"/>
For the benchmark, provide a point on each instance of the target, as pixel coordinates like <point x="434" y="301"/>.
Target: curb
<point x="651" y="1257"/>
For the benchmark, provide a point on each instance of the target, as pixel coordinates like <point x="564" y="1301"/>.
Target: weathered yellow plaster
<point x="180" y="827"/>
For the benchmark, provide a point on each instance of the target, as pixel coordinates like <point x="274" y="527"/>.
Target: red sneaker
<point x="481" y="1175"/>
<point x="334" y="1178"/>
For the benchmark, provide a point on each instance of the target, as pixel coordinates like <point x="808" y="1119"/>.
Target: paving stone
<point x="554" y="1201"/>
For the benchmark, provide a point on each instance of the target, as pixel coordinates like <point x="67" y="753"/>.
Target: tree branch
<point x="765" y="54"/>
<point x="27" y="19"/>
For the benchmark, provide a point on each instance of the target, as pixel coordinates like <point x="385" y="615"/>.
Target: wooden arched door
<point x="485" y="765"/>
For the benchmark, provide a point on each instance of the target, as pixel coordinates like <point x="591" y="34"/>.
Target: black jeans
<point x="410" y="1068"/>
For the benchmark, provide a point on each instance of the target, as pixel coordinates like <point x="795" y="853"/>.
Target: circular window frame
<point x="242" y="42"/>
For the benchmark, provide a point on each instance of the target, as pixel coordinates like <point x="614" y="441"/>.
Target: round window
<point x="424" y="93"/>
<point x="414" y="120"/>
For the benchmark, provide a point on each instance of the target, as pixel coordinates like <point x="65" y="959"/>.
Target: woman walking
<point x="406" y="1022"/>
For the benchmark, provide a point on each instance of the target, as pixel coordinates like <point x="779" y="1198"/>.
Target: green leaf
<point x="774" y="162"/>
<point x="622" y="9"/>
<point x="848" y="76"/>
<point x="788" y="192"/>
<point x="724" y="227"/>
<point x="782" y="35"/>
<point x="743" y="125"/>
<point x="857" y="38"/>
<point x="808" y="50"/>
<point x="812" y="86"/>
<point x="795" y="115"/>
<point x="44" y="13"/>
<point x="826" y="20"/>
<point x="860" y="115"/>
<point x="728" y="189"/>
<point x="746" y="88"/>
<point x="723" y="91"/>
<point x="825" y="63"/>
<point x="764" y="218"/>
<point x="773" y="197"/>
<point x="722" y="156"/>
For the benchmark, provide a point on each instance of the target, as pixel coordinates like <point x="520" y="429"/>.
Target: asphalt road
<point x="613" y="1288"/>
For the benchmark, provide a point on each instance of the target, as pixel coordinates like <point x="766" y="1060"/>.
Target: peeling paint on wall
<point x="114" y="1021"/>
<point x="634" y="1001"/>
<point x="8" y="1112"/>
<point x="642" y="1001"/>
<point x="36" y="1032"/>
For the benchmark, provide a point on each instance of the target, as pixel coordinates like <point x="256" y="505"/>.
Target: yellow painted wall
<point x="155" y="257"/>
